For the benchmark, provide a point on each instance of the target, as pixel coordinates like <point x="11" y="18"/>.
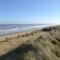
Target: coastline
<point x="21" y="33"/>
<point x="25" y="29"/>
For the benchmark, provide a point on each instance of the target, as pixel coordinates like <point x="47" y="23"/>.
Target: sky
<point x="29" y="11"/>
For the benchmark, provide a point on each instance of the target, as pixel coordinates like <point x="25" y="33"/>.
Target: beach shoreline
<point x="19" y="34"/>
<point x="20" y="28"/>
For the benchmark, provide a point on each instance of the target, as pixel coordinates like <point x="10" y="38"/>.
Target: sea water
<point x="11" y="28"/>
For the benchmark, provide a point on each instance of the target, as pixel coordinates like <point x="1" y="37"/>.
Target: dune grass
<point x="38" y="45"/>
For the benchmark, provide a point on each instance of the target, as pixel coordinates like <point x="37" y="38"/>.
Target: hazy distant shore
<point x="37" y="44"/>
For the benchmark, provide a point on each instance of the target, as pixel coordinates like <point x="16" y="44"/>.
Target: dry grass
<point x="37" y="45"/>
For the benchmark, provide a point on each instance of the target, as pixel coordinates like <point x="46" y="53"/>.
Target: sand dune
<point x="34" y="45"/>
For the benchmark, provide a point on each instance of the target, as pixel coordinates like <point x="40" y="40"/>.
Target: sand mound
<point x="43" y="45"/>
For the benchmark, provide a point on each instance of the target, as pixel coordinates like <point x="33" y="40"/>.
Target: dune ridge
<point x="41" y="44"/>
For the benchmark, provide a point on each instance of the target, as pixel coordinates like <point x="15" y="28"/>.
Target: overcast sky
<point x="29" y="11"/>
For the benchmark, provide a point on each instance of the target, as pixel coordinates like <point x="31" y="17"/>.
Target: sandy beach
<point x="41" y="44"/>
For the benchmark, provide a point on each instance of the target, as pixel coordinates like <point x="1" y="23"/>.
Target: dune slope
<point x="39" y="45"/>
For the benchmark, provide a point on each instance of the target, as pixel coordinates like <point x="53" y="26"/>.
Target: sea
<point x="12" y="28"/>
